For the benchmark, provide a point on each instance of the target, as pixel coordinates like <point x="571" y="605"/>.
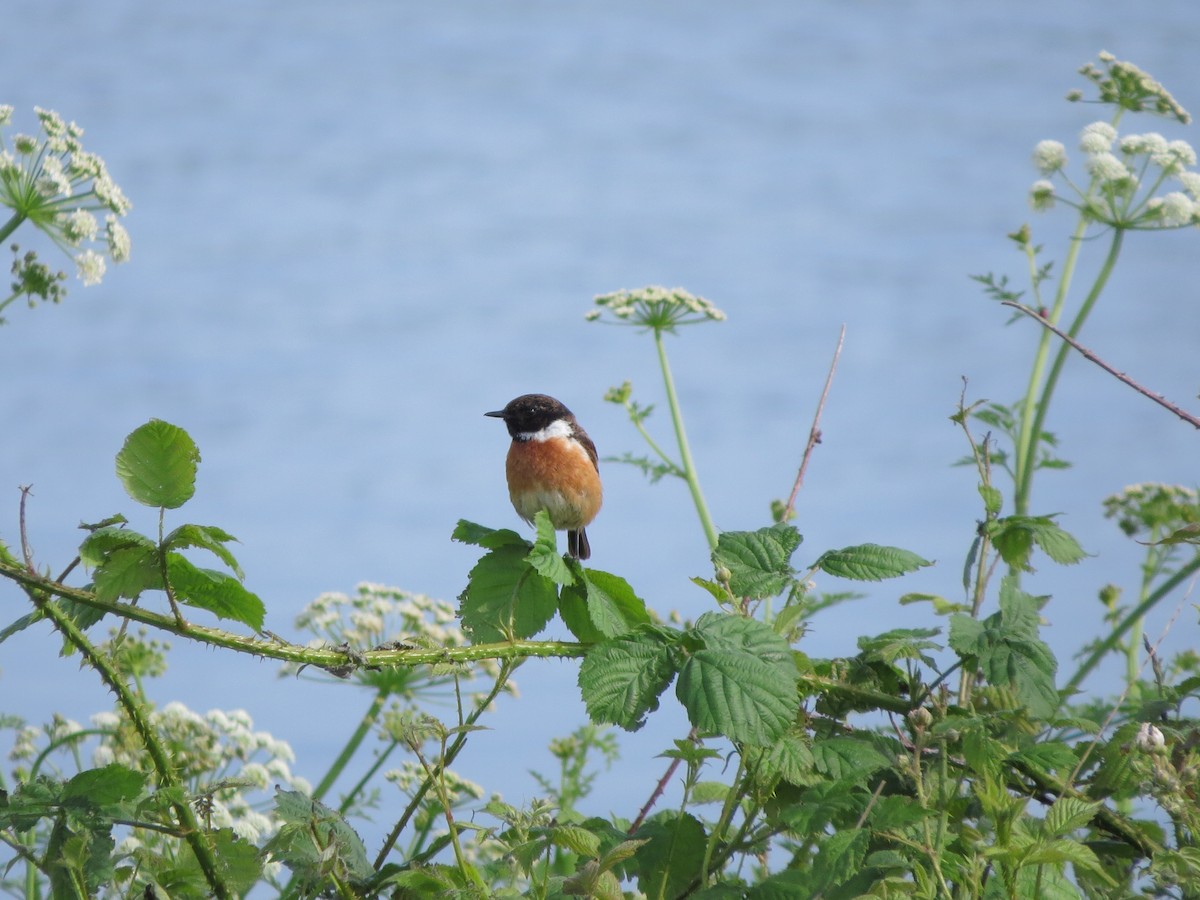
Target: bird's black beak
<point x="498" y="414"/>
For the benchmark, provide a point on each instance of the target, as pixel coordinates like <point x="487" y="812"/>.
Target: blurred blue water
<point x="358" y="226"/>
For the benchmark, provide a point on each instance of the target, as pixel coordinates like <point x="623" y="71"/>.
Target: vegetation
<point x="954" y="759"/>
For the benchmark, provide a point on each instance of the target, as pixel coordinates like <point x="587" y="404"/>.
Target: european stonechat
<point x="552" y="465"/>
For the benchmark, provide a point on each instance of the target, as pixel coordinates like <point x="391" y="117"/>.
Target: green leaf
<point x="1067" y="814"/>
<point x="488" y="538"/>
<point x="993" y="500"/>
<point x="790" y="759"/>
<point x="237" y="860"/>
<point x="205" y="537"/>
<point x="544" y="557"/>
<point x="96" y="547"/>
<point x="741" y="682"/>
<point x="758" y="561"/>
<point x="312" y="835"/>
<point x="897" y="812"/>
<point x="505" y="599"/>
<point x="1188" y="534"/>
<point x="901" y="643"/>
<point x="840" y="857"/>
<point x="158" y="464"/>
<point x="846" y="758"/>
<point x="108" y="784"/>
<point x="217" y="592"/>
<point x="601" y="605"/>
<point x="672" y="856"/>
<point x="941" y="606"/>
<point x="1015" y="537"/>
<point x="125" y="563"/>
<point x="621" y="679"/>
<point x="1008" y="651"/>
<point x="870" y="562"/>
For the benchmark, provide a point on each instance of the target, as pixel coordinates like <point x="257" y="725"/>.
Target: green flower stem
<point x="343" y="759"/>
<point x="685" y="453"/>
<point x="1060" y="359"/>
<point x="1135" y="616"/>
<point x="190" y="826"/>
<point x="460" y="740"/>
<point x="11" y="225"/>
<point x="1026" y="450"/>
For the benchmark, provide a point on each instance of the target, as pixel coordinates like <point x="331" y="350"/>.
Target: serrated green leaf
<point x="846" y="758"/>
<point x="1007" y="649"/>
<point x="758" y="561"/>
<point x="1057" y="544"/>
<point x="217" y="592"/>
<point x="672" y="854"/>
<point x="488" y="538"/>
<point x="741" y="682"/>
<point x="157" y="465"/>
<point x="108" y="784"/>
<point x="1015" y="537"/>
<point x="870" y="562"/>
<point x="621" y="679"/>
<point x="305" y="819"/>
<point x="900" y="643"/>
<point x="576" y="839"/>
<point x="1067" y="814"/>
<point x="790" y="759"/>
<point x="1048" y="756"/>
<point x="965" y="635"/>
<point x="840" y="857"/>
<point x="205" y="537"/>
<point x="601" y="605"/>
<point x="237" y="860"/>
<point x="897" y="812"/>
<point x="993" y="500"/>
<point x="544" y="555"/>
<point x="127" y="572"/>
<point x="100" y="543"/>
<point x="505" y="598"/>
<point x="612" y="605"/>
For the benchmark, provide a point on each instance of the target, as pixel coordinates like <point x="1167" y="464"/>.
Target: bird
<point x="552" y="465"/>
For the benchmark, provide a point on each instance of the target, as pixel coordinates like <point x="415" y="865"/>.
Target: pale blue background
<point x="358" y="226"/>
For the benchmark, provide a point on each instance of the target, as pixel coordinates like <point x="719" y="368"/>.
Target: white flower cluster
<point x="655" y="307"/>
<point x="1129" y="179"/>
<point x="218" y="754"/>
<point x="380" y="617"/>
<point x="56" y="184"/>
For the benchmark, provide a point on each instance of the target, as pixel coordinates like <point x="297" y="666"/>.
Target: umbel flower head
<point x="1141" y="181"/>
<point x="50" y="180"/>
<point x="658" y="308"/>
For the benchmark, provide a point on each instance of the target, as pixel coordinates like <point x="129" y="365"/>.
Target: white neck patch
<point x="559" y="428"/>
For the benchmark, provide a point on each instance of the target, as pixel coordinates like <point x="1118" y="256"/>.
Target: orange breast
<point x="555" y="475"/>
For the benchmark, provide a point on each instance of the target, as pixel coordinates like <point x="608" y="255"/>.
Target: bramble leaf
<point x="544" y="556"/>
<point x="506" y="598"/>
<point x="488" y="538"/>
<point x="293" y="844"/>
<point x="217" y="592"/>
<point x="758" y="561"/>
<point x="601" y="605"/>
<point x="741" y="682"/>
<point x="205" y="537"/>
<point x="870" y="562"/>
<point x="621" y="679"/>
<point x="157" y="465"/>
